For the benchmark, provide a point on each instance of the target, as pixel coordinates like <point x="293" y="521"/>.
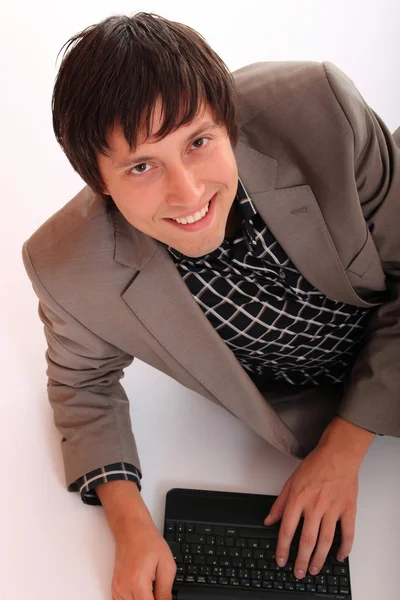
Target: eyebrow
<point x="208" y="125"/>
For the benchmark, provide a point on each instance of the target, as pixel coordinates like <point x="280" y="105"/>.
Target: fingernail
<point x="340" y="559"/>
<point x="299" y="574"/>
<point x="313" y="570"/>
<point x="281" y="562"/>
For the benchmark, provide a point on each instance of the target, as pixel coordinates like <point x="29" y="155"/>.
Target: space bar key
<point x="268" y="533"/>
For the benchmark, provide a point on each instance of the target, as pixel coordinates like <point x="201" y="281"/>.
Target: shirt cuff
<point x="86" y="484"/>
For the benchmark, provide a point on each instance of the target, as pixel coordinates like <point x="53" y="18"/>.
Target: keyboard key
<point x="180" y="527"/>
<point x="191" y="570"/>
<point x="322" y="589"/>
<point x="218" y="530"/>
<point x="189" y="528"/>
<point x="212" y="560"/>
<point x="196" y="549"/>
<point x="234" y="581"/>
<point x="231" y="531"/>
<point x="333" y="589"/>
<point x="201" y="579"/>
<point x="340" y="570"/>
<point x="256" y="583"/>
<point x="190" y="578"/>
<point x="344" y="590"/>
<point x="170" y="526"/>
<point x="212" y="580"/>
<point x="210" y="540"/>
<point x="195" y="538"/>
<point x="289" y="586"/>
<point x="204" y="529"/>
<point x="229" y="572"/>
<point x="252" y="533"/>
<point x="199" y="560"/>
<point x="179" y="577"/>
<point x="326" y="570"/>
<point x="205" y="570"/>
<point x="277" y="585"/>
<point x="311" y="587"/>
<point x="223" y="580"/>
<point x="175" y="549"/>
<point x="267" y="584"/>
<point x="250" y="563"/>
<point x="344" y="581"/>
<point x="245" y="582"/>
<point x="243" y="573"/>
<point x="229" y="541"/>
<point x="300" y="587"/>
<point x="237" y="562"/>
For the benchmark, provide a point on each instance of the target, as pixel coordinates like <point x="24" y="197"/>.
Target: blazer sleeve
<point x="372" y="397"/>
<point x="90" y="406"/>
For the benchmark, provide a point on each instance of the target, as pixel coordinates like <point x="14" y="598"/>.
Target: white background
<point x="52" y="545"/>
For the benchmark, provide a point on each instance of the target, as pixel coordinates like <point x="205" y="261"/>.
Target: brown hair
<point x="114" y="72"/>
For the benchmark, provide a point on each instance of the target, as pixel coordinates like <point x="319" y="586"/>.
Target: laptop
<point x="223" y="550"/>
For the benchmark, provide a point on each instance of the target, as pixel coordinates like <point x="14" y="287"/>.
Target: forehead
<point x="118" y="143"/>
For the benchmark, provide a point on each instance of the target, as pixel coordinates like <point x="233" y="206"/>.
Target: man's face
<point x="190" y="171"/>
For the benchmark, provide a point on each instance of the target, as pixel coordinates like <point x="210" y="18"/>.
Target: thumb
<point x="278" y="507"/>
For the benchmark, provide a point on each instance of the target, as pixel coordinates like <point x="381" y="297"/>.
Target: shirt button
<point x="282" y="274"/>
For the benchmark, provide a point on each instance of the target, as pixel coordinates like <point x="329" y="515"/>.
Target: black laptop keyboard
<point x="244" y="557"/>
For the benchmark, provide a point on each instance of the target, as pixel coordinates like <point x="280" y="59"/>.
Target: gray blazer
<point x="323" y="171"/>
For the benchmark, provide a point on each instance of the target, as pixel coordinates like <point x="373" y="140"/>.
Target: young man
<point x="240" y="234"/>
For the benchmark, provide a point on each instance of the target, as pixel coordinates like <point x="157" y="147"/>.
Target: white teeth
<point x="193" y="218"/>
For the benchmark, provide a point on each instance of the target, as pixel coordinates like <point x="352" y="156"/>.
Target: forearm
<point x="123" y="505"/>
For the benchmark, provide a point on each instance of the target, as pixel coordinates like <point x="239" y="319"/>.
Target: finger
<point x="308" y="539"/>
<point x="325" y="540"/>
<point x="165" y="576"/>
<point x="348" y="523"/>
<point x="290" y="521"/>
<point x="142" y="590"/>
<point x="278" y="507"/>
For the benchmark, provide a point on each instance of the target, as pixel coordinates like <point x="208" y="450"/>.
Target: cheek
<point x="138" y="207"/>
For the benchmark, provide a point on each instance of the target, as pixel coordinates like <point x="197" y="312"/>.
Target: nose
<point x="185" y="188"/>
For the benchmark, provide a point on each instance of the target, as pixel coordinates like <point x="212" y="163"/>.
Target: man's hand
<point x="323" y="490"/>
<point x="143" y="560"/>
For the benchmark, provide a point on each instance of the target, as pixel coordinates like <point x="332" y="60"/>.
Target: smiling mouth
<point x="197" y="216"/>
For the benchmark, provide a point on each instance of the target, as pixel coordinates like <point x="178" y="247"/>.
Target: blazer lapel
<point x="294" y="217"/>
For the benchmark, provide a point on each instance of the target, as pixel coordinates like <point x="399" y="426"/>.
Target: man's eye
<point x="202" y="138"/>
<point x="137" y="167"/>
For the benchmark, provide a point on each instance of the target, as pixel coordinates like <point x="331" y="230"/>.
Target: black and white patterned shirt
<point x="278" y="325"/>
